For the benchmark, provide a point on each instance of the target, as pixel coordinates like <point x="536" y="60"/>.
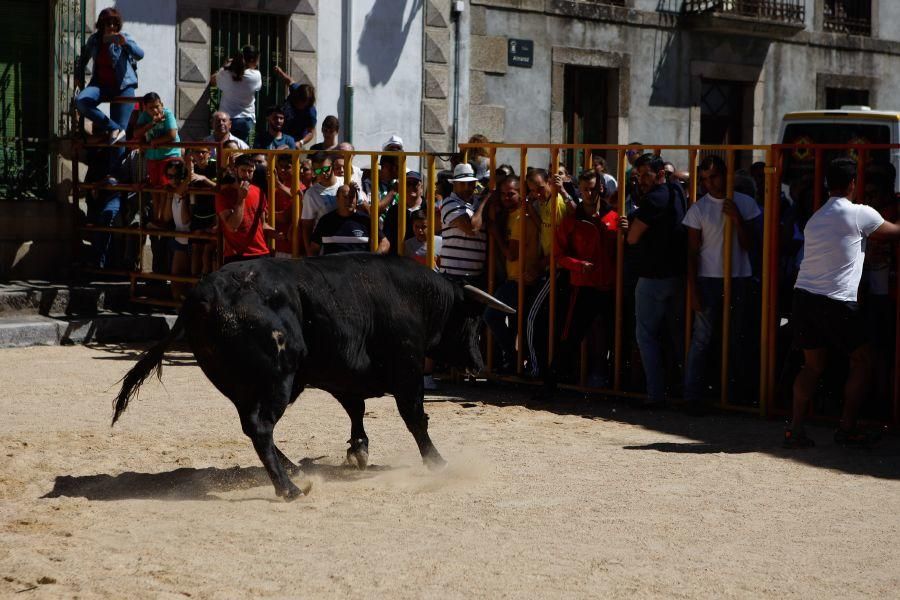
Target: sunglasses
<point x="322" y="170"/>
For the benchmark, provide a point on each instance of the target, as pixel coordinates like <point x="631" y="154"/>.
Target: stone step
<point x="63" y="299"/>
<point x="107" y="328"/>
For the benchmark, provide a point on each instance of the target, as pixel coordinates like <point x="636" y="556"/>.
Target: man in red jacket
<point x="242" y="210"/>
<point x="586" y="248"/>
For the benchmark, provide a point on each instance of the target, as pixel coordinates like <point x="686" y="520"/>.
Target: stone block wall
<point x="437" y="134"/>
<point x="196" y="62"/>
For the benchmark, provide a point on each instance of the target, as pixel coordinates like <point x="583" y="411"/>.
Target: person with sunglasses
<point x="321" y="197"/>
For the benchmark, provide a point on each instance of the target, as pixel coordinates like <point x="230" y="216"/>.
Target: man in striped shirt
<point x="464" y="241"/>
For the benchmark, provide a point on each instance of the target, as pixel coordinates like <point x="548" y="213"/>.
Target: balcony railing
<point x="780" y="11"/>
<point x="853" y="17"/>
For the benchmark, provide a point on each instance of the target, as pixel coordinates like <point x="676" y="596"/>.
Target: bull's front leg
<point x="410" y="402"/>
<point x="259" y="424"/>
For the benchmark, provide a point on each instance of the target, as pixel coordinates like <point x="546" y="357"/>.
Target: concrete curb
<point x="35" y="330"/>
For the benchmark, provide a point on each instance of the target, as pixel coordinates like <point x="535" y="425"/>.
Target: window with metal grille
<point x="231" y="31"/>
<point x="848" y="16"/>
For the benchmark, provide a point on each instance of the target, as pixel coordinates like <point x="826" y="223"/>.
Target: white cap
<point x="395" y="140"/>
<point x="463" y="172"/>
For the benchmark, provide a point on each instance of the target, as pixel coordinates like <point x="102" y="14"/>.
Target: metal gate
<point x="232" y="30"/>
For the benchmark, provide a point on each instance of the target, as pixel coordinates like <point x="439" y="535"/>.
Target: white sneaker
<point x="116" y="136"/>
<point x="429" y="383"/>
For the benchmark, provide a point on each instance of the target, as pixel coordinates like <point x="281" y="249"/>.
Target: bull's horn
<point x="481" y="296"/>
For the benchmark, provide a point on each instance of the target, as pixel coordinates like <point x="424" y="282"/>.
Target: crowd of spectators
<point x="672" y="242"/>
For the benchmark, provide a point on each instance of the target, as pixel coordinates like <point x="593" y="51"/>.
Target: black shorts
<point x="823" y="322"/>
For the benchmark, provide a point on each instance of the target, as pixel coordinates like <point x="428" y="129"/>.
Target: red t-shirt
<point x="244" y="241"/>
<point x="103" y="65"/>
<point x="594" y="240"/>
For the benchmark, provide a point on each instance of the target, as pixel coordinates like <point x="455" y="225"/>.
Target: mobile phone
<point x="111" y="38"/>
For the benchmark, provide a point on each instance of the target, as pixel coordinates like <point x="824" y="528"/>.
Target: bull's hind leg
<point x="410" y="403"/>
<point x="258" y="419"/>
<point x="358" y="452"/>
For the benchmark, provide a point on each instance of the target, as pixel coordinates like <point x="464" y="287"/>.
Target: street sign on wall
<point x="520" y="53"/>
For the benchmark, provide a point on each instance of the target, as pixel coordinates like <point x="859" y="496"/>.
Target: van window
<point x="800" y="163"/>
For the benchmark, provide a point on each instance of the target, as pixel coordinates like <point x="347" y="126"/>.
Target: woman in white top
<point x="239" y="80"/>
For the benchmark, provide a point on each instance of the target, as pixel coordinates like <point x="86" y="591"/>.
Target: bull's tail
<point x="150" y="360"/>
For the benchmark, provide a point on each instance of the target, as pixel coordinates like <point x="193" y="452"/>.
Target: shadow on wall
<point x="383" y="38"/>
<point x="673" y="53"/>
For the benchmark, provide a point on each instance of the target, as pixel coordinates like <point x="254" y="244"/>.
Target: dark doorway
<point x="24" y="99"/>
<point x="726" y="116"/>
<point x="590" y="109"/>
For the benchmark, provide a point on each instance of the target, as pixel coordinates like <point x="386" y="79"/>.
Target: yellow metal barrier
<point x="693" y="154"/>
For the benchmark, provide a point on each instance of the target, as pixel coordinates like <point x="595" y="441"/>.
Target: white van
<point x="849" y="125"/>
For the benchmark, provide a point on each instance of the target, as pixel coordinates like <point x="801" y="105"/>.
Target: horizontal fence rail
<point x="770" y="347"/>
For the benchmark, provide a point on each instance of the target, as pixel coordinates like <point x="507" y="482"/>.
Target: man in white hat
<point x="394" y="143"/>
<point x="464" y="241"/>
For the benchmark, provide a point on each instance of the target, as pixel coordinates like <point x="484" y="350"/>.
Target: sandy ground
<point x="576" y="499"/>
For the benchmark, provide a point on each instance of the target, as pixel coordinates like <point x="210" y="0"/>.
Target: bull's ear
<point x="473" y="293"/>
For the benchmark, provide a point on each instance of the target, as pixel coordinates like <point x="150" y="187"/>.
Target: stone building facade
<point x="664" y="71"/>
<point x="437" y="71"/>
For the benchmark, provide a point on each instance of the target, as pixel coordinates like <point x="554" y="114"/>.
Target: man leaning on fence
<point x="241" y="209"/>
<point x="826" y="315"/>
<point x="465" y="242"/>
<point x="657" y="235"/>
<point x="705" y="222"/>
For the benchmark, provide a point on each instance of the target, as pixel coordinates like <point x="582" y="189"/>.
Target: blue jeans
<point x="91" y="97"/>
<point x="104" y="213"/>
<point x="241" y="127"/>
<point x="659" y="314"/>
<point x="706" y="322"/>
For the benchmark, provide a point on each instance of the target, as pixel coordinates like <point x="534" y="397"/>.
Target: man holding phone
<point x="241" y="210"/>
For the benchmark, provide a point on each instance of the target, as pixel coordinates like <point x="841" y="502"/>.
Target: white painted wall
<point x="386" y="70"/>
<point x="152" y="25"/>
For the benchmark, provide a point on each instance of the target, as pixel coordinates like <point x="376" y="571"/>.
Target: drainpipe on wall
<point x="347" y="125"/>
<point x="457" y="8"/>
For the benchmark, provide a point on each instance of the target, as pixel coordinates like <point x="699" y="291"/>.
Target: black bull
<point x="355" y="325"/>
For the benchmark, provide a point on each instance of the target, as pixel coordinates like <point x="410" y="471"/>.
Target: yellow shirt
<point x="530" y="252"/>
<point x="546" y="213"/>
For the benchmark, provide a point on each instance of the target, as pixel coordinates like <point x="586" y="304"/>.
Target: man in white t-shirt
<point x="705" y="223"/>
<point x="221" y="132"/>
<point x="321" y="197"/>
<point x="825" y="315"/>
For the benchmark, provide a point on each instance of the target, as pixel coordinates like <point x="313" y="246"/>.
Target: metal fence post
<point x="374" y="203"/>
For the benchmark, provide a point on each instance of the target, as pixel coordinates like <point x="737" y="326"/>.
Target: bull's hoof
<point x="293" y="492"/>
<point x="434" y="461"/>
<point x="358" y="454"/>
